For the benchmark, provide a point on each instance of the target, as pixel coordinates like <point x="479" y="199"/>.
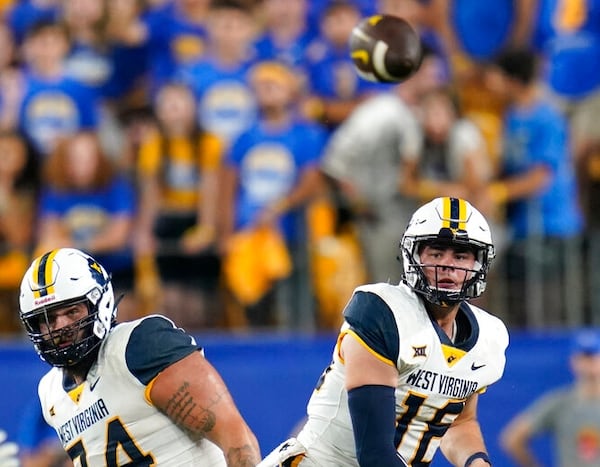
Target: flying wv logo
<point x="96" y="271"/>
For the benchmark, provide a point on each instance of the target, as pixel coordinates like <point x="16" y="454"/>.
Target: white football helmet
<point x="451" y="221"/>
<point x="59" y="278"/>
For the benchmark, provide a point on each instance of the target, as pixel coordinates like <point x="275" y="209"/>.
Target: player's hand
<point x="283" y="454"/>
<point x="8" y="452"/>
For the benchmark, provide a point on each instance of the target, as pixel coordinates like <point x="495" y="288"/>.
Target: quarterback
<point x="412" y="358"/>
<point x="137" y="393"/>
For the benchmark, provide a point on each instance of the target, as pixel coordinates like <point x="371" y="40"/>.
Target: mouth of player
<point x="65" y="337"/>
<point x="63" y="341"/>
<point x="447" y="284"/>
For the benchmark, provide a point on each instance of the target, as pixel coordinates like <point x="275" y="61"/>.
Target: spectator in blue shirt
<point x="271" y="176"/>
<point x="226" y="104"/>
<point x="173" y="34"/>
<point x="23" y="14"/>
<point x="86" y="203"/>
<point x="334" y="86"/>
<point x="538" y="187"/>
<point x="53" y="104"/>
<point x="286" y="32"/>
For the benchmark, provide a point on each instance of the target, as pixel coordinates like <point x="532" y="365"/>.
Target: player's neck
<point x="78" y="373"/>
<point x="444" y="316"/>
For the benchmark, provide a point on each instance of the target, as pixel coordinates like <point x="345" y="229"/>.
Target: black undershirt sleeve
<point x="372" y="409"/>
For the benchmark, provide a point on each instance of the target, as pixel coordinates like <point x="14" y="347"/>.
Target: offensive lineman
<point x="137" y="393"/>
<point x="411" y="359"/>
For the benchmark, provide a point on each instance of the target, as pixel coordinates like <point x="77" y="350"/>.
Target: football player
<point x="137" y="393"/>
<point x="412" y="358"/>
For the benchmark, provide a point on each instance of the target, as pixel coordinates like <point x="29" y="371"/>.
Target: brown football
<point x="385" y="48"/>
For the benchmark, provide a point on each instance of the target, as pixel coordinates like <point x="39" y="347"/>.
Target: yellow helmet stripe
<point x="42" y="274"/>
<point x="455" y="214"/>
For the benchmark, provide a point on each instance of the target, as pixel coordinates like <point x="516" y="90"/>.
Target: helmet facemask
<point x="49" y="344"/>
<point x="448" y="223"/>
<point x="474" y="279"/>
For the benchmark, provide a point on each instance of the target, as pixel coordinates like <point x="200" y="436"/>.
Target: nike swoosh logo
<point x="476" y="367"/>
<point x="93" y="385"/>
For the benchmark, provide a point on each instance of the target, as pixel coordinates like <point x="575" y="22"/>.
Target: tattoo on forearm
<point x="245" y="456"/>
<point x="187" y="414"/>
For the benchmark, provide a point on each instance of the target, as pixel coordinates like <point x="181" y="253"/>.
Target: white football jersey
<point x="435" y="377"/>
<point x="108" y="420"/>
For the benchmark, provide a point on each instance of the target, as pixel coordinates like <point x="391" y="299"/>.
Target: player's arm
<point x="193" y="395"/>
<point x="371" y="383"/>
<point x="369" y="352"/>
<point x="515" y="438"/>
<point x="183" y="385"/>
<point x="463" y="443"/>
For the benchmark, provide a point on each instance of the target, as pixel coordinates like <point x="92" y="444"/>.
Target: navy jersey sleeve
<point x="372" y="320"/>
<point x="154" y="345"/>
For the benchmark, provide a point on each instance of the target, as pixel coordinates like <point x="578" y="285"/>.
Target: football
<point x="385" y="48"/>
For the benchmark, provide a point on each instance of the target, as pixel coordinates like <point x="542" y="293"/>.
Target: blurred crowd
<point x="227" y="165"/>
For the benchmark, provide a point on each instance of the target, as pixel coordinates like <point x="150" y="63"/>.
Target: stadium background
<point x="271" y="376"/>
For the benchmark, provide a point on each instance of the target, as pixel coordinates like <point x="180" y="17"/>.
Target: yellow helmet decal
<point x="42" y="274"/>
<point x="454" y="216"/>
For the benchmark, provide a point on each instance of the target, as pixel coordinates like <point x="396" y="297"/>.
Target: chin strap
<point x="118" y="300"/>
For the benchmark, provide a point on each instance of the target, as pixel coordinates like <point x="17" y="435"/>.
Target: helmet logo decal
<point x="455" y="214"/>
<point x="43" y="276"/>
<point x="96" y="271"/>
